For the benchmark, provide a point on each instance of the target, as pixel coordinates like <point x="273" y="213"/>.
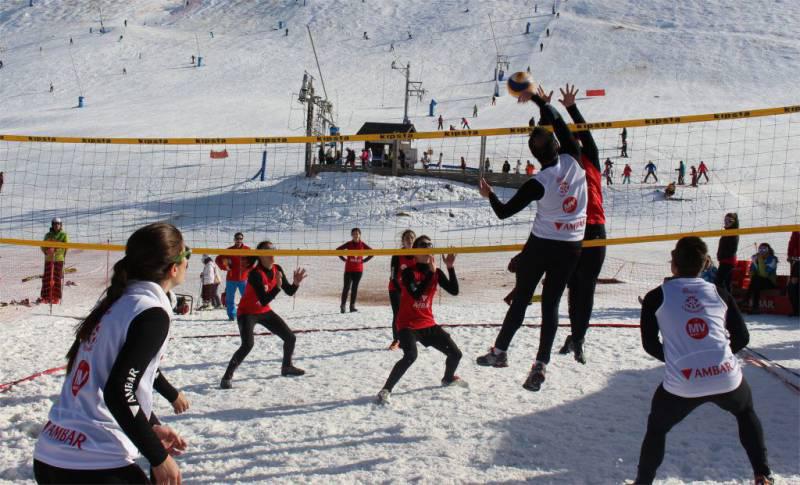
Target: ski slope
<point x="653" y="58"/>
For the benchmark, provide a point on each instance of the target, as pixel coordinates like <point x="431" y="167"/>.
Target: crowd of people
<point x="104" y="417"/>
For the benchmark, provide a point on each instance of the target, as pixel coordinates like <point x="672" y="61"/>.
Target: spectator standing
<point x="794" y="274"/>
<point x="53" y="264"/>
<point x="726" y="252"/>
<point x="506" y="167"/>
<point x="210" y="279"/>
<point x="529" y="169"/>
<point x="236" y="276"/>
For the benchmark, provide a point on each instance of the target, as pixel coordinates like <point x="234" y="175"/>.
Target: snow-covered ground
<point x="654" y="58"/>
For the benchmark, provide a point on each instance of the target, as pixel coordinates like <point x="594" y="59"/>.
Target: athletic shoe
<point x="492" y="359"/>
<point x="225" y="384"/>
<point x="536" y="377"/>
<point x="353" y="309"/>
<point x="764" y="480"/>
<point x="341" y="308"/>
<point x="567" y="347"/>
<point x="394" y="345"/>
<point x="383" y="397"/>
<point x="455" y="382"/>
<point x="291" y="371"/>
<point x="230" y="318"/>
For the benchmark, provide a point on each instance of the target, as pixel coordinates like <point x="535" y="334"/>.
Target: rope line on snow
<point x="751" y="356"/>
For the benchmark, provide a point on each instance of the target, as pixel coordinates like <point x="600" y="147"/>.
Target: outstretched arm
<point x="588" y="146"/>
<point x="550" y="116"/>
<point x="531" y="190"/>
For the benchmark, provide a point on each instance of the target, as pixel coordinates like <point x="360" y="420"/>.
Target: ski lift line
<point x="316" y="59"/>
<point x="395" y="251"/>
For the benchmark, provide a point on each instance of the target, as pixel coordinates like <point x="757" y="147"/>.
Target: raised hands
<point x="484" y="188"/>
<point x="298" y="276"/>
<point x="568" y="96"/>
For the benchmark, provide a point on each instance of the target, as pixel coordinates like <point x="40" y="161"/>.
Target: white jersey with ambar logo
<point x="81" y="433"/>
<point x="698" y="357"/>
<point x="561" y="213"/>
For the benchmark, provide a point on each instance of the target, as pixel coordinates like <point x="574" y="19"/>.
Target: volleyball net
<point x="305" y="194"/>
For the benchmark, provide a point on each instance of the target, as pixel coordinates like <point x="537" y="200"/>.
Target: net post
<point x="481" y="159"/>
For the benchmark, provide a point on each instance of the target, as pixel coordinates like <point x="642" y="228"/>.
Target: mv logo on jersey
<point x="569" y="205"/>
<point x="80" y="378"/>
<point x="697" y="328"/>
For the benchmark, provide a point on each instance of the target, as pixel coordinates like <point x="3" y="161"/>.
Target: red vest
<point x="594" y="202"/>
<point x="354" y="264"/>
<point x="402" y="263"/>
<point x="417" y="314"/>
<point x="249" y="304"/>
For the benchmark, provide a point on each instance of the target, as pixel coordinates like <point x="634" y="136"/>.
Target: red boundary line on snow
<point x="7" y="386"/>
<point x="446" y="325"/>
<point x="751" y="356"/>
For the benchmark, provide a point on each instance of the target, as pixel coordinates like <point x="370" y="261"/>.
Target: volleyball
<point x="519" y="82"/>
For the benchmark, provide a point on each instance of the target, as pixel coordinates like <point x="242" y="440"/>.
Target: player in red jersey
<point x="353" y="268"/>
<point x="583" y="281"/>
<point x="415" y="322"/>
<point x="397" y="265"/>
<point x="264" y="281"/>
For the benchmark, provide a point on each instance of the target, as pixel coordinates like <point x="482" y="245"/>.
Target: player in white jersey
<point x="104" y="416"/>
<point x="693" y="317"/>
<point x="554" y="246"/>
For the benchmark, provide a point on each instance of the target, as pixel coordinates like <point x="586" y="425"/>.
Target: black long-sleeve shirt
<point x="734" y="323"/>
<point x="417" y="289"/>
<point x="146" y="334"/>
<point x="728" y="246"/>
<point x="264" y="296"/>
<point x="588" y="146"/>
<point x="530" y="191"/>
<point x="548" y="115"/>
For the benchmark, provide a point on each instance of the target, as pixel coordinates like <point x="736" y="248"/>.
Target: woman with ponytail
<point x="104" y="416"/>
<point x="264" y="281"/>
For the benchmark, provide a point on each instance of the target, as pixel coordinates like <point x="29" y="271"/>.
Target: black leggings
<point x="394" y="299"/>
<point x="274" y="324"/>
<point x="351" y="278"/>
<point x="556" y="260"/>
<point x="435" y="337"/>
<point x="583" y="282"/>
<point x="667" y="410"/>
<point x="44" y="473"/>
<point x="757" y="284"/>
<point x="723" y="277"/>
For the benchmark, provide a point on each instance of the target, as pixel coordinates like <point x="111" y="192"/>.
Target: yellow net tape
<point x="519" y="130"/>
<point x="392" y="251"/>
